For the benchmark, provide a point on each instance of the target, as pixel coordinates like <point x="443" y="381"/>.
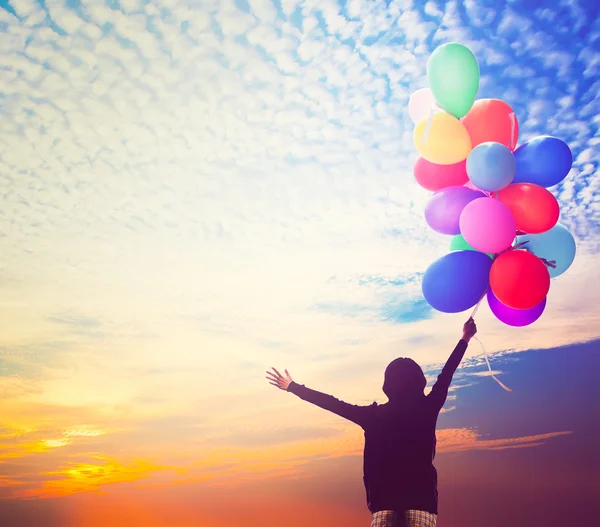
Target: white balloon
<point x="420" y="105"/>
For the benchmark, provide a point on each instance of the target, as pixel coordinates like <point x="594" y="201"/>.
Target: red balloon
<point x="492" y="120"/>
<point x="519" y="279"/>
<point x="534" y="207"/>
<point x="436" y="177"/>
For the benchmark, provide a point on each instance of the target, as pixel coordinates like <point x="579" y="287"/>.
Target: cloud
<point x="393" y="299"/>
<point x="61" y="453"/>
<point x="77" y="322"/>
<point x="404" y="312"/>
<point x="267" y="436"/>
<point x="458" y="440"/>
<point x="281" y="461"/>
<point x="180" y="183"/>
<point x="344" y="310"/>
<point x="74" y="478"/>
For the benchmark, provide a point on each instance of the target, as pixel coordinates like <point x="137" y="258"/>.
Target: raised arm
<point x="356" y="414"/>
<point x="439" y="392"/>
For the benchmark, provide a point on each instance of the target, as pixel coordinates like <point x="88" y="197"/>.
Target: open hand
<point x="276" y="379"/>
<point x="469" y="329"/>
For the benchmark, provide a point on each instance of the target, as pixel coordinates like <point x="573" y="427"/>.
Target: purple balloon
<point x="442" y="212"/>
<point x="514" y="317"/>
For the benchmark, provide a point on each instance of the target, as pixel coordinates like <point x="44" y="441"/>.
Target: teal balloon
<point x="453" y="77"/>
<point x="491" y="166"/>
<point x="556" y="245"/>
<point x="458" y="243"/>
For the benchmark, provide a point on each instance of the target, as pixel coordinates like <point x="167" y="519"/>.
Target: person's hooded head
<point x="403" y="379"/>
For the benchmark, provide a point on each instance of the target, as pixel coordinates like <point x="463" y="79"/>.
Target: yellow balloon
<point x="447" y="140"/>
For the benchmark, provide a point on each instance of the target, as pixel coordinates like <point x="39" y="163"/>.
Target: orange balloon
<point x="534" y="208"/>
<point x="519" y="279"/>
<point x="492" y="120"/>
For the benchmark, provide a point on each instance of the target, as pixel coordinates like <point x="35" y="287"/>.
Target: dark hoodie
<point x="399" y="435"/>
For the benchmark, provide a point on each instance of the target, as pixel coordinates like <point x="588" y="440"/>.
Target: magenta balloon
<point x="444" y="208"/>
<point x="488" y="225"/>
<point x="514" y="317"/>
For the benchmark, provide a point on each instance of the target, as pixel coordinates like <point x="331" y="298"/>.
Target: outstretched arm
<point x="354" y="413"/>
<point x="439" y="392"/>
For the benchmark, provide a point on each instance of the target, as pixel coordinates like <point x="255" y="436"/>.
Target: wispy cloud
<point x="456" y="440"/>
<point x="191" y="191"/>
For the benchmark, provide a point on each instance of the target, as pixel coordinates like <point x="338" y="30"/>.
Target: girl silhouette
<point x="398" y="473"/>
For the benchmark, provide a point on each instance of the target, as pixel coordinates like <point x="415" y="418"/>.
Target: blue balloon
<point x="491" y="166"/>
<point x="457" y="281"/>
<point x="557" y="245"/>
<point x="544" y="160"/>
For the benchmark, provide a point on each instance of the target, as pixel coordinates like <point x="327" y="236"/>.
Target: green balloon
<point x="458" y="243"/>
<point x="453" y="76"/>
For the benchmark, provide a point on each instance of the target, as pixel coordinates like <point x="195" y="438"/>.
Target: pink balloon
<point x="436" y="177"/>
<point x="488" y="225"/>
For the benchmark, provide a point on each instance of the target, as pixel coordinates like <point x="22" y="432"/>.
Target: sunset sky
<point x="194" y="191"/>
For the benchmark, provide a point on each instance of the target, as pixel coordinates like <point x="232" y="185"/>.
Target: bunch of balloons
<point x="489" y="195"/>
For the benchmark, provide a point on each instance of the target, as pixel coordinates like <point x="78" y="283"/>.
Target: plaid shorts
<point x="409" y="518"/>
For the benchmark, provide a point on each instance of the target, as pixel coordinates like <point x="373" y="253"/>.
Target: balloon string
<point x="520" y="245"/>
<point x="435" y="105"/>
<point x="483" y="347"/>
<point x="548" y="263"/>
<point x="490" y="368"/>
<point x="429" y="122"/>
<point x="513" y="141"/>
<point x="476" y="308"/>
